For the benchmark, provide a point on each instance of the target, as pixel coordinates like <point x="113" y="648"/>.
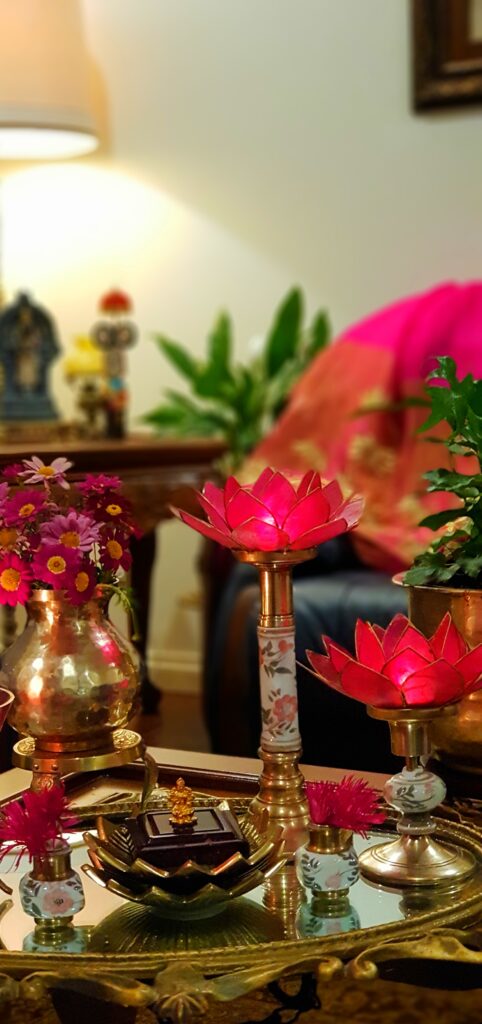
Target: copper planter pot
<point x="458" y="739"/>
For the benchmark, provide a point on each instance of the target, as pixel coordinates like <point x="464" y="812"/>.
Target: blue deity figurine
<point x="28" y="345"/>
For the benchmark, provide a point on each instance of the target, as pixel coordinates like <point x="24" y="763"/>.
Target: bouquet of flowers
<point x="61" y="537"/>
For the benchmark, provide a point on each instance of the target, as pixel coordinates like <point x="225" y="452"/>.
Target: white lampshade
<point x="45" y="109"/>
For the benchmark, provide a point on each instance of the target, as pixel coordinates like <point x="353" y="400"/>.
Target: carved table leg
<point x="143" y="556"/>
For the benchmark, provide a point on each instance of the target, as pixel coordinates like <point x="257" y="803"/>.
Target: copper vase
<point x="457" y="739"/>
<point x="74" y="677"/>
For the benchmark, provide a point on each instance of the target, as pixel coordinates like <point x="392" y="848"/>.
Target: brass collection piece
<point x="416" y="858"/>
<point x="75" y="682"/>
<point x="181" y="802"/>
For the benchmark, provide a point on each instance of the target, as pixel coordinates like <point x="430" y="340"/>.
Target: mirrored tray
<point x="274" y="923"/>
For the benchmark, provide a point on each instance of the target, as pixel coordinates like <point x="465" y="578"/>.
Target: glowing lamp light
<point x="45" y="107"/>
<point x="399" y="667"/>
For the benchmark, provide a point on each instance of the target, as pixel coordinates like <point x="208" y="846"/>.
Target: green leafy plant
<point x="239" y="401"/>
<point x="456" y="554"/>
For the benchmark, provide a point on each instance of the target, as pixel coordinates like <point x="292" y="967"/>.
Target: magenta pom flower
<point x="72" y="530"/>
<point x="13" y="471"/>
<point x="15" y="580"/>
<point x="98" y="483"/>
<point x="37" y="472"/>
<point x="273" y="514"/>
<point x="350" y="804"/>
<point x="398" y="667"/>
<point x="81" y="583"/>
<point x="23" y="507"/>
<point x="55" y="564"/>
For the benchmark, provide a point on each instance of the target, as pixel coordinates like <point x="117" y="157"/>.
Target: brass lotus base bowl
<point x="191" y="891"/>
<point x="123" y="746"/>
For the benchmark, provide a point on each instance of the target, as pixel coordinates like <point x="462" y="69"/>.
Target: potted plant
<point x="447" y="576"/>
<point x="239" y="401"/>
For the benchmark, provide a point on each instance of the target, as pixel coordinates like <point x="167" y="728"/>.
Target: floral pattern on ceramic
<point x="47" y="900"/>
<point x="310" y="922"/>
<point x="331" y="870"/>
<point x="279" y="698"/>
<point x="414" y="792"/>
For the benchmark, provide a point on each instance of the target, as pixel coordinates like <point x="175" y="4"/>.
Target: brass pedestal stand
<point x="48" y="767"/>
<point x="281" y="782"/>
<point x="416" y="858"/>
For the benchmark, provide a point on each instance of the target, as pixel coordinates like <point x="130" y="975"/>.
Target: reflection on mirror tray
<point x="279" y="909"/>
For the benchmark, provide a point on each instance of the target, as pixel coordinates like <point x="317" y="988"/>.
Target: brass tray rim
<point x="291" y="954"/>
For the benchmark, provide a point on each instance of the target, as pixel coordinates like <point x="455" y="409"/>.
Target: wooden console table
<point x="156" y="473"/>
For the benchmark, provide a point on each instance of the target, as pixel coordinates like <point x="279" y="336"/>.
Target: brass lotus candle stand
<point x="281" y="789"/>
<point x="274" y="525"/>
<point x="409" y="681"/>
<point x="417" y="857"/>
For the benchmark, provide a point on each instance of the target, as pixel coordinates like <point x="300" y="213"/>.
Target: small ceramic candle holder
<point x="52" y="891"/>
<point x="327" y="864"/>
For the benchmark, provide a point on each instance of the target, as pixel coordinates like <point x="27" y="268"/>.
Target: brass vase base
<point x="416" y="860"/>
<point x="47" y="768"/>
<point x="281" y="795"/>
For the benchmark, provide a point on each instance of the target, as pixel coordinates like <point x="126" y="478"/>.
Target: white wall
<point x="252" y="144"/>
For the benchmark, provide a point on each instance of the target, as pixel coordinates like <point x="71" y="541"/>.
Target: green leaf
<point x="446" y="370"/>
<point x="284" y="335"/>
<point x="179" y="356"/>
<point x="438" y="519"/>
<point x="319" y="336"/>
<point x="441" y="408"/>
<point x="418" y="575"/>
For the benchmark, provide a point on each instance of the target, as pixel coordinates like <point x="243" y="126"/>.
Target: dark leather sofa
<point x="330" y="593"/>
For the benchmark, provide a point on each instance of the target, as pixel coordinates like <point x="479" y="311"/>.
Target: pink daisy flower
<point x="15" y="578"/>
<point x="82" y="583"/>
<point x="111" y="508"/>
<point x="98" y="483"/>
<point x="36" y="472"/>
<point x="55" y="564"/>
<point x="23" y="507"/>
<point x="72" y="530"/>
<point x="115" y="549"/>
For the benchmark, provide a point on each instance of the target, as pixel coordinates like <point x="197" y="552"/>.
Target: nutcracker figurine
<point x="114" y="334"/>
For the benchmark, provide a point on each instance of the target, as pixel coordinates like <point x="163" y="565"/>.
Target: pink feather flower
<point x="350" y="804"/>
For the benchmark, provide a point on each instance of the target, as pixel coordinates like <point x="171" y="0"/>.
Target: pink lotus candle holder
<point x="274" y="524"/>
<point x="408" y="680"/>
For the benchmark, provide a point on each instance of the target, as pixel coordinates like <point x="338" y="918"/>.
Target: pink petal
<point x="379" y="631"/>
<point x="333" y="495"/>
<point x="254" y="535"/>
<point x="319" y="535"/>
<point x="337" y="655"/>
<point x="439" y="683"/>
<point x="324" y="669"/>
<point x="369" y="650"/>
<point x="470" y="666"/>
<point x="215" y="495"/>
<point x="244" y="506"/>
<point x="202" y="527"/>
<point x="279" y="496"/>
<point x="393" y="632"/>
<point x="473" y="687"/>
<point x="217" y="520"/>
<point x="310" y="482"/>
<point x="352" y="511"/>
<point x="447" y="642"/>
<point x="403" y="664"/>
<point x="311" y="511"/>
<point x="264" y="478"/>
<point x="230" y="488"/>
<point x="370" y="687"/>
<point x="416" y="641"/>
